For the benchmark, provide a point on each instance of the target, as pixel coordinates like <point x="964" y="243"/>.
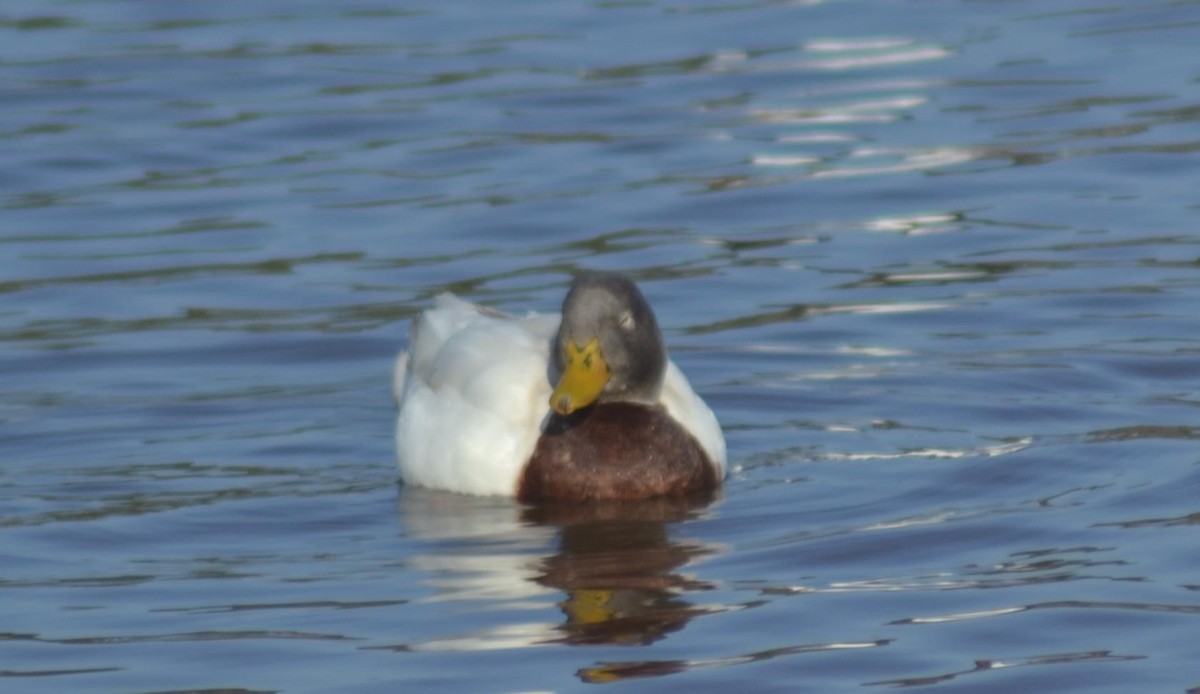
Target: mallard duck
<point x="585" y="407"/>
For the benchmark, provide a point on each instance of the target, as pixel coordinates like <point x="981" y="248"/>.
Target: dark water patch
<point x="982" y="666"/>
<point x="56" y="673"/>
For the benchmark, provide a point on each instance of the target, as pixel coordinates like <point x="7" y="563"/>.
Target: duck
<point x="577" y="407"/>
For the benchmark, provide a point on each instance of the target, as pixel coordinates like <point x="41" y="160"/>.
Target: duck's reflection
<point x="618" y="567"/>
<point x="615" y="564"/>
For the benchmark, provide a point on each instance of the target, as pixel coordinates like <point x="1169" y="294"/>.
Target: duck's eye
<point x="626" y="321"/>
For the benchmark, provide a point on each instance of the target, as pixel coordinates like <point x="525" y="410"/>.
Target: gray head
<point x="609" y="346"/>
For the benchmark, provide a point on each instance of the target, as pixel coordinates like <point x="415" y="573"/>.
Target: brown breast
<point x="615" y="451"/>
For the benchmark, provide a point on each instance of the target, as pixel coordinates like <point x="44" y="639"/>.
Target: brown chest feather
<point x="615" y="451"/>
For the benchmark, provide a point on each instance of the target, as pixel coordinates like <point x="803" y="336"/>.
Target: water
<point x="934" y="265"/>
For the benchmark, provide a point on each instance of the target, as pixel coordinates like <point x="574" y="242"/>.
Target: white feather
<point x="688" y="409"/>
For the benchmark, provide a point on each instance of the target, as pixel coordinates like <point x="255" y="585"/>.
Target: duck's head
<point x="609" y="346"/>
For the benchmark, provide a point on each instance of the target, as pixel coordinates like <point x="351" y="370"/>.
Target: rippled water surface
<point x="935" y="265"/>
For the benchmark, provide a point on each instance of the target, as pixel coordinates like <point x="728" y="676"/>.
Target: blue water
<point x="935" y="265"/>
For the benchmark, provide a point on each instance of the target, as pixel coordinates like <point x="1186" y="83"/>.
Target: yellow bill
<point x="582" y="380"/>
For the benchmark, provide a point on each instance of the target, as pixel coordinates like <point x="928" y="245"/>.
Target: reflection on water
<point x="620" y="576"/>
<point x="620" y="569"/>
<point x="614" y="573"/>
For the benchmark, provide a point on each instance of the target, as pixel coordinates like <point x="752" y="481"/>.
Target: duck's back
<point x="472" y="393"/>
